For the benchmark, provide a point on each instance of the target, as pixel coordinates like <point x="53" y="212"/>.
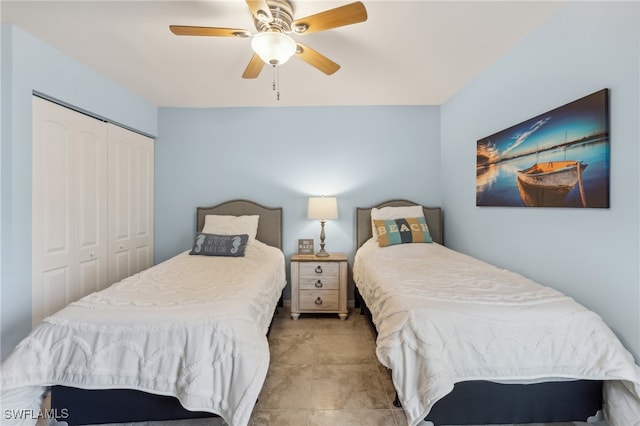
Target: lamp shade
<point x="322" y="208"/>
<point x="273" y="47"/>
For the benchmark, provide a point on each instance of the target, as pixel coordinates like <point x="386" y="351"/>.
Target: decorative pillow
<point x="231" y="225"/>
<point x="393" y="213"/>
<point x="401" y="231"/>
<point x="219" y="245"/>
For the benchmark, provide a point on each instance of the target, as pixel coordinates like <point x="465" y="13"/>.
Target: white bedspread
<point x="193" y="327"/>
<point x="444" y="317"/>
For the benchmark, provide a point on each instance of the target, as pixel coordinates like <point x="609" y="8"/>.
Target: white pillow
<point x="231" y="225"/>
<point x="393" y="213"/>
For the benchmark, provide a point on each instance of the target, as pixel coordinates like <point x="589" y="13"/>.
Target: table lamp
<point x="322" y="209"/>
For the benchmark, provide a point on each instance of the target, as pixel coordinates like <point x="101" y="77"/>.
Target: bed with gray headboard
<point x="98" y="404"/>
<point x="433" y="216"/>
<point x="269" y="225"/>
<point x="477" y="401"/>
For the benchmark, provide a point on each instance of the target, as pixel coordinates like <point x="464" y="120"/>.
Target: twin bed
<point x="191" y="329"/>
<point x="466" y="343"/>
<point x="469" y="343"/>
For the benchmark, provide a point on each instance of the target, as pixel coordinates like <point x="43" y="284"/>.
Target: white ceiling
<point x="407" y="53"/>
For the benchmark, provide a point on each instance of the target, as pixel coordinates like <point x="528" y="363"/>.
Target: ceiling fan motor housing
<point x="282" y="13"/>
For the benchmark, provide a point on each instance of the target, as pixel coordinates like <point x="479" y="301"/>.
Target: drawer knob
<point x="318" y="269"/>
<point x="318" y="301"/>
<point x="318" y="284"/>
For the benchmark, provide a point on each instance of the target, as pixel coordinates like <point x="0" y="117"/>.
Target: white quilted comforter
<point x="193" y="327"/>
<point x="444" y="317"/>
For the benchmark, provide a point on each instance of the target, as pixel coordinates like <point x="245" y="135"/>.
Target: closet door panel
<point x="130" y="202"/>
<point x="143" y="170"/>
<point x="52" y="210"/>
<point x="57" y="290"/>
<point x="143" y="207"/>
<point x="120" y="211"/>
<point x="68" y="207"/>
<point x="120" y="190"/>
<point x="91" y="189"/>
<point x="54" y="180"/>
<point x="92" y="276"/>
<point x="120" y="266"/>
<point x="144" y="257"/>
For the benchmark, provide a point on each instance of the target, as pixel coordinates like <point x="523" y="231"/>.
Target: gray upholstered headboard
<point x="269" y="225"/>
<point x="433" y="215"/>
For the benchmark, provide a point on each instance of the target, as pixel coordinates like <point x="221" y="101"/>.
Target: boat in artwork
<point x="553" y="174"/>
<point x="547" y="184"/>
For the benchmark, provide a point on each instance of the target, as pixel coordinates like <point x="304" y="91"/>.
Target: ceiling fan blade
<point x="260" y="10"/>
<point x="340" y="16"/>
<point x="316" y="60"/>
<point x="254" y="68"/>
<point x="183" y="30"/>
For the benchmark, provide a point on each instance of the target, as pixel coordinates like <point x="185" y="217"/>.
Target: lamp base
<point x="322" y="252"/>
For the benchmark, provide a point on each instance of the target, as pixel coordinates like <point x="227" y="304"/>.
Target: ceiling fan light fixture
<point x="273" y="47"/>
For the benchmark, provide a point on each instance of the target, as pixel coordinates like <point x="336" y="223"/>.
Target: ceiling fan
<point x="274" y="22"/>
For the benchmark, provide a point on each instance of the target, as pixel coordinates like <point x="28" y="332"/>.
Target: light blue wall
<point x="591" y="254"/>
<point x="29" y="65"/>
<point x="281" y="156"/>
<point x="363" y="155"/>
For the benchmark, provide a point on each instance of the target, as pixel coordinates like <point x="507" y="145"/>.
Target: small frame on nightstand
<point x="305" y="246"/>
<point x="319" y="284"/>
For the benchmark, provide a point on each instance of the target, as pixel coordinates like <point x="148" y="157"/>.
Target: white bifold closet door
<point x="69" y="219"/>
<point x="92" y="205"/>
<point x="130" y="203"/>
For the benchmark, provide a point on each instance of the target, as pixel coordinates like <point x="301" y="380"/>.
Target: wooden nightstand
<point x="319" y="284"/>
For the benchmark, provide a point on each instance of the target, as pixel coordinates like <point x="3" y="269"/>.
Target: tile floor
<point x="323" y="372"/>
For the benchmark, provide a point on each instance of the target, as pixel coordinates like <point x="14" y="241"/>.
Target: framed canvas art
<point x="556" y="159"/>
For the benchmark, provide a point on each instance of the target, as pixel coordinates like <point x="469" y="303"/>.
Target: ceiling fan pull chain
<point x="276" y="81"/>
<point x="273" y="84"/>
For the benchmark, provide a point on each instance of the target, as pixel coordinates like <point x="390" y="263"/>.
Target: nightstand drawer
<point x="319" y="283"/>
<point x="312" y="300"/>
<point x="320" y="269"/>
